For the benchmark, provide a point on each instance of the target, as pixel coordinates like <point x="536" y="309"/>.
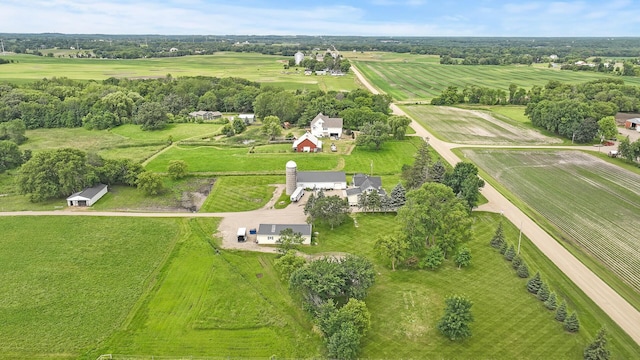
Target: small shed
<point x="270" y="233"/>
<point x="248" y="118"/>
<point x="632" y="123"/>
<point x="88" y="196"/>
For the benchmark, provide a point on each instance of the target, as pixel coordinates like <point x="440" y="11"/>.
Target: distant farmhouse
<point x="313" y="179"/>
<point x="270" y="233"/>
<point x="299" y="56"/>
<point x="248" y="118"/>
<point x="205" y="115"/>
<point x="324" y="126"/>
<point x="363" y="184"/>
<point x="307" y="143"/>
<point x="88" y="196"/>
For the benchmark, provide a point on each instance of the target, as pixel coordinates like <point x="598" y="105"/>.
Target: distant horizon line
<point x="610" y="37"/>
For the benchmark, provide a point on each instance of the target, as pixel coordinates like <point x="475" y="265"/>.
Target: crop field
<point x="267" y="69"/>
<point x="414" y="79"/>
<point x="227" y="305"/>
<point x="474" y="127"/>
<point x="596" y="204"/>
<point x="65" y="289"/>
<point x="405" y="305"/>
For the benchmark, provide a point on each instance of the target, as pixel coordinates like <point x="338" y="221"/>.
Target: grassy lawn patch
<point x="386" y="161"/>
<point x="225" y="160"/>
<point x="240" y="193"/>
<point x="65" y="289"/>
<point x="474" y="126"/>
<point x="226" y="305"/>
<point x="591" y="205"/>
<point x="406" y="305"/>
<point x="177" y="132"/>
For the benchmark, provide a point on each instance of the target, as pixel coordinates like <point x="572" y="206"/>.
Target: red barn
<point x="307" y="143"/>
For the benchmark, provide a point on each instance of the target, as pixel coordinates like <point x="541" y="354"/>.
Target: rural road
<point x="620" y="311"/>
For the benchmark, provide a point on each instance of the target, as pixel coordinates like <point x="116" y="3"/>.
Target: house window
<point x="269" y="237"/>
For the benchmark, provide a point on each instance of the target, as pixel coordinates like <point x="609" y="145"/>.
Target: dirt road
<point x="620" y="311"/>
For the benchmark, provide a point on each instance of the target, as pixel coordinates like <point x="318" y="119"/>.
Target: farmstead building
<point x="270" y="233"/>
<point x="632" y="123"/>
<point x="88" y="196"/>
<point x="307" y="143"/>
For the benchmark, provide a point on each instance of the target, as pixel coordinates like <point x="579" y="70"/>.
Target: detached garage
<point x="270" y="233"/>
<point x="88" y="196"/>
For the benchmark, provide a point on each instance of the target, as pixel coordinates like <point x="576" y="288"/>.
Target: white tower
<point x="291" y="178"/>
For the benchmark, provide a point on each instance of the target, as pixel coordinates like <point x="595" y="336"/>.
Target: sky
<point x="602" y="18"/>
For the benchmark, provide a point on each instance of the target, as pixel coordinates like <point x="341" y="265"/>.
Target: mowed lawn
<point x="230" y="304"/>
<point x="475" y="127"/>
<point x="414" y="79"/>
<point x="67" y="283"/>
<point x="509" y="322"/>
<point x="267" y="69"/>
<point x="595" y="204"/>
<point x="241" y="193"/>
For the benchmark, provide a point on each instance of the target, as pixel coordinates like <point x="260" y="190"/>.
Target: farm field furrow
<point x="474" y="127"/>
<point x="403" y="79"/>
<point x="573" y="190"/>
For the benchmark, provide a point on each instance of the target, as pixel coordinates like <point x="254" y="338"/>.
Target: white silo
<point x="291" y="180"/>
<point x="298" y="57"/>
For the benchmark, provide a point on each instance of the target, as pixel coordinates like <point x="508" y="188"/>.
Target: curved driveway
<point x="620" y="311"/>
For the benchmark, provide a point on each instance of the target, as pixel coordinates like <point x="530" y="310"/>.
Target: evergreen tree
<point x="561" y="311"/>
<point x="533" y="285"/>
<point x="571" y="323"/>
<point x="498" y="238"/>
<point x="510" y="253"/>
<point x="597" y="350"/>
<point x="398" y="196"/>
<point x="523" y="270"/>
<point x="503" y="248"/>
<point x="552" y="301"/>
<point x="517" y="260"/>
<point x="543" y="292"/>
<point x="437" y="172"/>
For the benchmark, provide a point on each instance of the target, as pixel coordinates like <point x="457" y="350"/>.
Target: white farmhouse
<point x="364" y="184"/>
<point x="270" y="233"/>
<point x="88" y="196"/>
<point x="324" y="126"/>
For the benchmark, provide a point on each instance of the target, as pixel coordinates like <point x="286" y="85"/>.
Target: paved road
<point x="620" y="311"/>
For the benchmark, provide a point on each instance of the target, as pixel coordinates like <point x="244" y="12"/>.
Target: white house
<point x="363" y="184"/>
<point x="324" y="126"/>
<point x="299" y="56"/>
<point x="88" y="196"/>
<point x="206" y="115"/>
<point x="248" y="118"/>
<point x="270" y="233"/>
<point x="327" y="180"/>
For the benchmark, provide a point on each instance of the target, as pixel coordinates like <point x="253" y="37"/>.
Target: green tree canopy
<point x="597" y="350"/>
<point x="150" y="183"/>
<point x="373" y="135"/>
<point x="457" y="318"/>
<point x="177" y="169"/>
<point x="433" y="215"/>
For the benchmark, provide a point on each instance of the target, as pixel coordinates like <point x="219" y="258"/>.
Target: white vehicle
<point x="297" y="194"/>
<point x="242" y="234"/>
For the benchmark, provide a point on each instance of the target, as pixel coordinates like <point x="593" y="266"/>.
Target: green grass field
<point x="509" y="323"/>
<point x="228" y="305"/>
<point x="67" y="283"/>
<point x="477" y="127"/>
<point x="418" y="78"/>
<point x="240" y="193"/>
<point x="592" y="203"/>
<point x="267" y="69"/>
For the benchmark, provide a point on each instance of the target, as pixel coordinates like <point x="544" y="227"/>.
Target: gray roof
<point x="89" y="193"/>
<point x="275" y="229"/>
<point x="321" y="176"/>
<point x="634" y="120"/>
<point x="353" y="191"/>
<point x="365" y="181"/>
<point x="328" y="122"/>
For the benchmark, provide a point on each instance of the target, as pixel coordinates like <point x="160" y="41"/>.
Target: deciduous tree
<point x="177" y="169"/>
<point x="289" y="240"/>
<point x="373" y="135"/>
<point x="10" y="155"/>
<point x="463" y="257"/>
<point x="150" y="183"/>
<point x="457" y="318"/>
<point x="433" y="259"/>
<point x="392" y="247"/>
